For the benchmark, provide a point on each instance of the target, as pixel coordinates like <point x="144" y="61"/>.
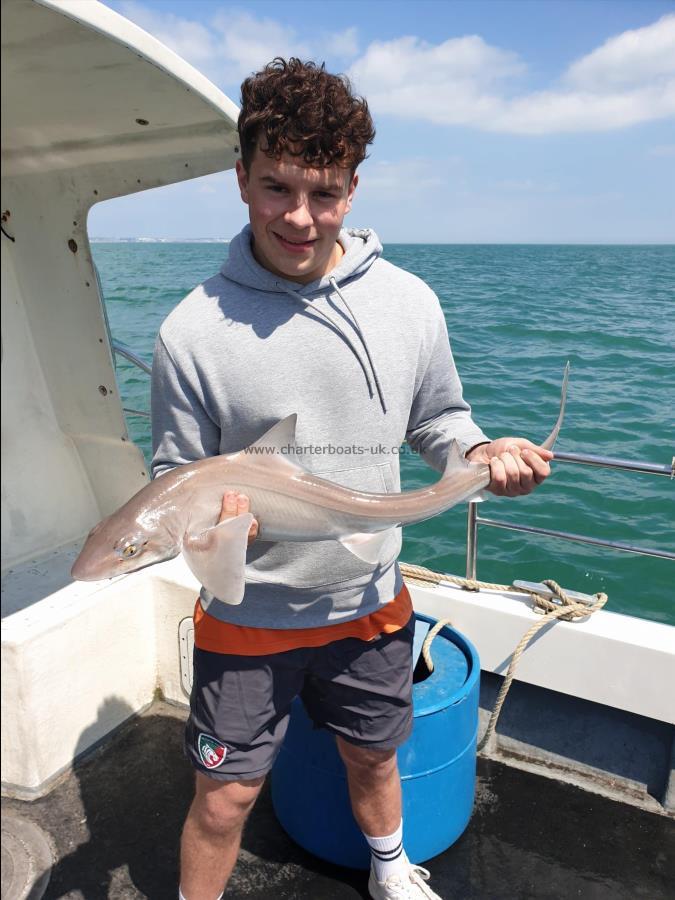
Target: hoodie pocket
<point x="377" y="479"/>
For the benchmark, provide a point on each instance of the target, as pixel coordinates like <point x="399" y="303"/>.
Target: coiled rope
<point x="565" y="608"/>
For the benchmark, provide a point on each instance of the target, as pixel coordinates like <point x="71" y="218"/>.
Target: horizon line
<point x="486" y="243"/>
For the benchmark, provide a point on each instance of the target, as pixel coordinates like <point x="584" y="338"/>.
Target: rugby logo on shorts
<point x="211" y="751"/>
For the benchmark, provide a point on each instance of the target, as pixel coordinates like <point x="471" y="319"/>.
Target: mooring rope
<point x="420" y="575"/>
<point x="565" y="608"/>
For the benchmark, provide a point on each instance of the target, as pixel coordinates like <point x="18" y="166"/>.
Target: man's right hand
<point x="235" y="504"/>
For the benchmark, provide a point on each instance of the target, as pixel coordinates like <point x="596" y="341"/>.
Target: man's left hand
<point x="235" y="504"/>
<point x="517" y="465"/>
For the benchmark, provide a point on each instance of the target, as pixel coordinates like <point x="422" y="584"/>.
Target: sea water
<point x="515" y="315"/>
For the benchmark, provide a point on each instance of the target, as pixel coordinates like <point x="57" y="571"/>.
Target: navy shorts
<point x="240" y="705"/>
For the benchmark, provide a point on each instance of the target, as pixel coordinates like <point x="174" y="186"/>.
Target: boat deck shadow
<point x="115" y="825"/>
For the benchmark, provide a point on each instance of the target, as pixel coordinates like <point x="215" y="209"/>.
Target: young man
<point x="307" y="318"/>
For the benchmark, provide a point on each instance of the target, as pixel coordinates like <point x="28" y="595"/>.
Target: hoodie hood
<point x="361" y="245"/>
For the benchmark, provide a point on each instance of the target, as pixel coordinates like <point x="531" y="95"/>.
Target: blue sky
<point x="497" y="120"/>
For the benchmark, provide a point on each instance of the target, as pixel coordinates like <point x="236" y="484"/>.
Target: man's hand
<point x="517" y="465"/>
<point x="235" y="504"/>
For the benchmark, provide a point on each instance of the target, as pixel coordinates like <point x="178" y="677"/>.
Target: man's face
<point x="296" y="213"/>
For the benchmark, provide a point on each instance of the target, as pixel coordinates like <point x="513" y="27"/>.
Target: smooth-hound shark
<point x="179" y="511"/>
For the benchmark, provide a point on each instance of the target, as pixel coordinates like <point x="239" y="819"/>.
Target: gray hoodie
<point x="361" y="355"/>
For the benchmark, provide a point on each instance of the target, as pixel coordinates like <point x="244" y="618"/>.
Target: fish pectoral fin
<point x="217" y="557"/>
<point x="367" y="546"/>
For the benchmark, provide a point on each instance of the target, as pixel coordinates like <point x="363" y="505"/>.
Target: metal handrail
<point x="474" y="520"/>
<point x="611" y="462"/>
<point x="122" y="350"/>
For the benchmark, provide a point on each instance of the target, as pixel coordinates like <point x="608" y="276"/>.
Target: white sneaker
<point x="410" y="885"/>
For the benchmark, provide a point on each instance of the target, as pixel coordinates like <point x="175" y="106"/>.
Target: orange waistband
<point x="221" y="637"/>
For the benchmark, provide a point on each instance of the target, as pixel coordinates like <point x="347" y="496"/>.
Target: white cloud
<point x="549" y="112"/>
<point x="466" y="60"/>
<point x="191" y="40"/>
<point x="246" y="43"/>
<point x="236" y="43"/>
<point x="465" y="81"/>
<point x="639" y="57"/>
<point x="446" y="84"/>
<point x="341" y="44"/>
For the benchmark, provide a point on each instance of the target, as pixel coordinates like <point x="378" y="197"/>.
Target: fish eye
<point x="129" y="547"/>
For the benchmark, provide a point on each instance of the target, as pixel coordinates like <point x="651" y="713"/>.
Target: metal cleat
<point x="547" y="593"/>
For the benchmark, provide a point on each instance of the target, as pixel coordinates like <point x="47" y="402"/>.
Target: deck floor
<point x="115" y="823"/>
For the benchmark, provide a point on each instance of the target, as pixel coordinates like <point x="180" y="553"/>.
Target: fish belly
<point x="283" y="518"/>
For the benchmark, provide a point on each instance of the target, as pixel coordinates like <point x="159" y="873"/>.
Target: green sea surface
<point x="515" y="315"/>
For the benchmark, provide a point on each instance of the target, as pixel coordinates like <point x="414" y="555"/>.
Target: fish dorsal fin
<point x="367" y="546"/>
<point x="456" y="461"/>
<point x="281" y="437"/>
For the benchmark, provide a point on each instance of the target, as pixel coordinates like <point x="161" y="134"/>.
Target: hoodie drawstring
<point x="309" y="305"/>
<point x="357" y="328"/>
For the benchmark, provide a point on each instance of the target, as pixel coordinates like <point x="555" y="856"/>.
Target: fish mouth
<point x="87" y="568"/>
<point x="82" y="572"/>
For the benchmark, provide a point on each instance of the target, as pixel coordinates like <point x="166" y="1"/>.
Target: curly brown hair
<point x="298" y="108"/>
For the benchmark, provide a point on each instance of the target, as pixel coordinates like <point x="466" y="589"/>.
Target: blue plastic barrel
<point x="437" y="765"/>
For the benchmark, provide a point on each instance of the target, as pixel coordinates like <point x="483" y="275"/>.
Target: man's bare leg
<point x="212" y="834"/>
<point x="374" y="787"/>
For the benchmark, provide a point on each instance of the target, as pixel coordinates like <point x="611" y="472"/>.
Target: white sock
<point x="181" y="895"/>
<point x="387" y="854"/>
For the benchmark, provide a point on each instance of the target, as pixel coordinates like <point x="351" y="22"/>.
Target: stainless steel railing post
<point x="471" y="540"/>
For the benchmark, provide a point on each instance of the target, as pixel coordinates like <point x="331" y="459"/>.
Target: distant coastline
<point x="152" y="240"/>
<point x="210" y="240"/>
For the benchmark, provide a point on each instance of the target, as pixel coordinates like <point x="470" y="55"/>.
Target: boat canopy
<point x="87" y="92"/>
<point x="93" y="108"/>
